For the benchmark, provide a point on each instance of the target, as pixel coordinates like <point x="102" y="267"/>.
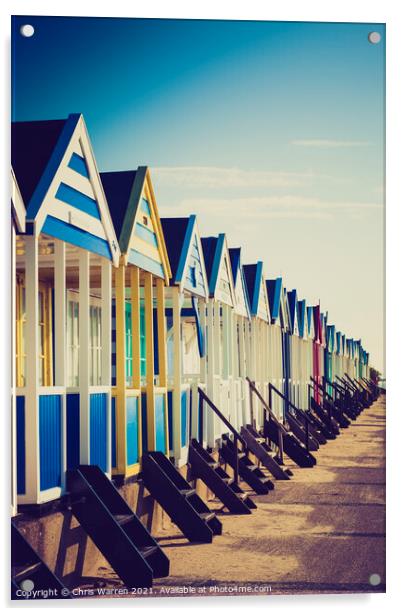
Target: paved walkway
<point x="321" y="532"/>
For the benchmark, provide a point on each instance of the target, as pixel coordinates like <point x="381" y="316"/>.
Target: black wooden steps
<point x="114" y="528"/>
<point x="27" y="566"/>
<point x="263" y="452"/>
<point x="337" y="413"/>
<point x="204" y="467"/>
<point x="249" y="472"/>
<point x="330" y="423"/>
<point x="180" y="501"/>
<point x="291" y="445"/>
<point x="299" y="431"/>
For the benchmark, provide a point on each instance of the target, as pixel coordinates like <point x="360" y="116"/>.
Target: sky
<point x="272" y="132"/>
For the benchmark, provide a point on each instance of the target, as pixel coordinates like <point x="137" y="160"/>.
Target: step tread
<point x="148" y="550"/>
<point x="124" y="518"/>
<point x="188" y="492"/>
<point x="207" y="515"/>
<point x="250" y="467"/>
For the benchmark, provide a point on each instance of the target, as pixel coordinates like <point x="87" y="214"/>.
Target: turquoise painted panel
<point x="145" y="263"/>
<point x="146" y="234"/>
<point x="145" y="207"/>
<point x="78" y="237"/>
<point x="132" y="430"/>
<point x="20" y="420"/>
<point x="78" y="164"/>
<point x="77" y="199"/>
<point x="98" y="430"/>
<point x="160" y="429"/>
<point x="114" y="451"/>
<point x="184" y="418"/>
<point x="50" y="443"/>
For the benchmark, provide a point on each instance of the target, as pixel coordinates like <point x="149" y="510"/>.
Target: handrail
<point x="346" y="385"/>
<point x="236" y="435"/>
<point x="302" y="413"/>
<point x="281" y="429"/>
<point x="354" y="383"/>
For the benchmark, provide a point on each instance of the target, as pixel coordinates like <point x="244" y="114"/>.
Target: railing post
<point x="236" y="461"/>
<point x="307" y="435"/>
<point x="201" y="419"/>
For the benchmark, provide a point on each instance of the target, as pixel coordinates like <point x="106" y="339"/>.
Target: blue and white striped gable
<point x="302" y="314"/>
<point x="66" y="197"/>
<point x="263" y="303"/>
<point x="242" y="306"/>
<point x="220" y="282"/>
<point x="186" y="256"/>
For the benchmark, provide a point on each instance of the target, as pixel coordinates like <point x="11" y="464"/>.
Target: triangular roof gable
<point x="293" y="313"/>
<point x="338" y="336"/>
<point x="302" y="314"/>
<point x="219" y="270"/>
<point x="242" y="300"/>
<point x="323" y="321"/>
<point x="17" y="205"/>
<point x="317" y="324"/>
<point x="136" y="219"/>
<point x="274" y="298"/>
<point x="185" y="254"/>
<point x="57" y="173"/>
<point x="257" y="291"/>
<point x="310" y="322"/>
<point x="331" y="338"/>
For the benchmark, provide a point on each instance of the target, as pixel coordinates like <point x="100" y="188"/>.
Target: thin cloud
<point x="329" y="143"/>
<point x="230" y="177"/>
<point x="263" y="208"/>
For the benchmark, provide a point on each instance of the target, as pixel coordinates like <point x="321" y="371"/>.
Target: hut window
<point x="44" y="334"/>
<point x="21" y="327"/>
<point x="95" y="314"/>
<point x="73" y="346"/>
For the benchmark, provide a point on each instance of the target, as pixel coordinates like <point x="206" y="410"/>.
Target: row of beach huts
<point x="146" y="356"/>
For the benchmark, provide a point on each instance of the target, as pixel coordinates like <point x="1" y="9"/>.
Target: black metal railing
<point x="268" y="411"/>
<point x="237" y="438"/>
<point x="299" y="412"/>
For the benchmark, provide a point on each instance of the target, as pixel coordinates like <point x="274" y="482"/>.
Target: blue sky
<point x="272" y="132"/>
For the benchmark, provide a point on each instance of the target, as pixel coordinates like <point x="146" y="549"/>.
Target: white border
<point x="290" y="10"/>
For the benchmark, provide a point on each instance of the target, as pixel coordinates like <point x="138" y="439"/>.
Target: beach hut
<point x="242" y="334"/>
<point x="63" y="298"/>
<point x="259" y="337"/>
<point x="305" y="355"/>
<point x="293" y="342"/>
<point x="18" y="214"/>
<point x="278" y="325"/>
<point x="329" y="355"/>
<point x="222" y="387"/>
<point x="336" y="357"/>
<point x="317" y="350"/>
<point x="185" y="301"/>
<point x="139" y="403"/>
